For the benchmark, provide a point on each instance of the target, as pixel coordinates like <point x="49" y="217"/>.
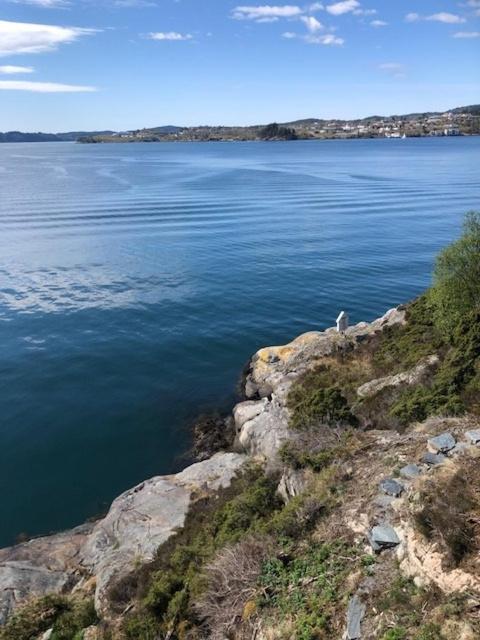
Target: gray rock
<point x="355" y="614"/>
<point x="391" y="487"/>
<point x="263" y="435"/>
<point x="383" y="501"/>
<point x="433" y="459"/>
<point x="40" y="566"/>
<point x="138" y="522"/>
<point x="410" y="471"/>
<point x="442" y="443"/>
<point x="143" y="518"/>
<point x="405" y="378"/>
<point x="292" y="483"/>
<point x="460" y="448"/>
<point x="270" y="366"/>
<point x="383" y="537"/>
<point x="474" y="436"/>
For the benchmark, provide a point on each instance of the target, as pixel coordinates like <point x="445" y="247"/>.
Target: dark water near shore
<point x="135" y="281"/>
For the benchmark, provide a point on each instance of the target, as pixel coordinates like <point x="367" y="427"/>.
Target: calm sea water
<point x="136" y="280"/>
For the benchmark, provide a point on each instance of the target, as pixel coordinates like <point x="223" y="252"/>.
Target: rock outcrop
<point x="138" y="522"/>
<point x="144" y="517"/>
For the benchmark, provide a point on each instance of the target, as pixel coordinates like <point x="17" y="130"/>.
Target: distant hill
<point x="70" y="136"/>
<point x="304" y="128"/>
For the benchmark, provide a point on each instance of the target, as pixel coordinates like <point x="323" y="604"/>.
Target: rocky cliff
<point x="386" y="478"/>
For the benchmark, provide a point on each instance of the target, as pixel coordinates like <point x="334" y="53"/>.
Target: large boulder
<point x="138" y="522"/>
<point x="273" y="366"/>
<point x="143" y="518"/>
<point x="40" y="566"/>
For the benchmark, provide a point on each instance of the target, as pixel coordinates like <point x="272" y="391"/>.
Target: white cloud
<point x="312" y="24"/>
<point x="22" y="37"/>
<point x="378" y="23"/>
<point x="266" y="13"/>
<point x="364" y="12"/>
<point x="443" y="16"/>
<point x="447" y="18"/>
<point x="316" y="6"/>
<point x="10" y="69"/>
<point x="43" y="87"/>
<point x="47" y="4"/>
<point x="395" y="69"/>
<point x="467" y="34"/>
<point x="327" y="39"/>
<point x="170" y="35"/>
<point x="346" y="6"/>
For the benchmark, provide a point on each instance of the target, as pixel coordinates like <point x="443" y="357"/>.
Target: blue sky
<point x="121" y="64"/>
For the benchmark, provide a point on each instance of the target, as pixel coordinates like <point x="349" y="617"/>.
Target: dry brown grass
<point x="227" y="605"/>
<point x="450" y="512"/>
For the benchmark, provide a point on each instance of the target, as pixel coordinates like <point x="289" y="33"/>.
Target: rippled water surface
<point x="136" y="280"/>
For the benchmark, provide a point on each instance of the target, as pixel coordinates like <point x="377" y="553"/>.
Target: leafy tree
<point x="456" y="278"/>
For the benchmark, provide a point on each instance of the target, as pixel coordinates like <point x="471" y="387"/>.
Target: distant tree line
<point x="274" y="131"/>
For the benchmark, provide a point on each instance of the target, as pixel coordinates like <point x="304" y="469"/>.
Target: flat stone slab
<point x="355" y="614"/>
<point x="383" y="501"/>
<point x="391" y="487"/>
<point x="383" y="536"/>
<point x="442" y="443"/>
<point x="432" y="459"/>
<point x="474" y="436"/>
<point x="410" y="471"/>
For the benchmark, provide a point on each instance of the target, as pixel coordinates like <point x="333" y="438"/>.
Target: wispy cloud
<point x="443" y="16"/>
<point x="395" y="69"/>
<point x="23" y="37"/>
<point x="43" y="87"/>
<point x="10" y="69"/>
<point x="170" y="35"/>
<point x="467" y="34"/>
<point x="346" y="6"/>
<point x="47" y="4"/>
<point x="266" y="12"/>
<point x="378" y="23"/>
<point x="327" y="39"/>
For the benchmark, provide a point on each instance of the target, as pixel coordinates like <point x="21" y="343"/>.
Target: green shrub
<point x="452" y="389"/>
<point x="66" y="614"/>
<point x="397" y="633"/>
<point x="456" y="279"/>
<point x="313" y="404"/>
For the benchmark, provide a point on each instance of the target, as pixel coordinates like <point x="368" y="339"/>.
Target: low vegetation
<point x="67" y="615"/>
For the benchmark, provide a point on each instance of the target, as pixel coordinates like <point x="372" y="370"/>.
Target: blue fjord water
<point x="136" y="280"/>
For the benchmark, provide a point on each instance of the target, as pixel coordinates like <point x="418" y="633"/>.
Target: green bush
<point x="456" y="278"/>
<point x="313" y="404"/>
<point x="67" y="615"/>
<point x="397" y="633"/>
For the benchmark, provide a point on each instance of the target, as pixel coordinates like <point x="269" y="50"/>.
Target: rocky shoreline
<point x="93" y="556"/>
